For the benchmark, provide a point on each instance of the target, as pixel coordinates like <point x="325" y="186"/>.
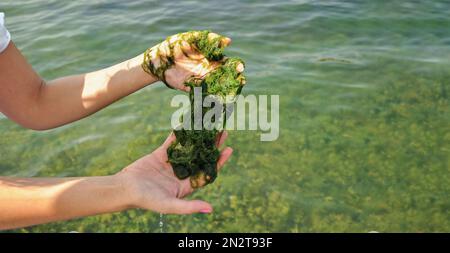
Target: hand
<point x="186" y="55"/>
<point x="152" y="184"/>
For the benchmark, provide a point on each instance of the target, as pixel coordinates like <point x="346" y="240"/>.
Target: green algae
<point x="194" y="153"/>
<point x="158" y="59"/>
<point x="212" y="49"/>
<point x="225" y="81"/>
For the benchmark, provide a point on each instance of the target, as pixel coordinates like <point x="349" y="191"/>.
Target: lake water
<point x="364" y="111"/>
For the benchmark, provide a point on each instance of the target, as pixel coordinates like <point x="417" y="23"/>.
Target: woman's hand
<point x="185" y="55"/>
<point x="152" y="184"/>
<point x="34" y="103"/>
<point x="147" y="183"/>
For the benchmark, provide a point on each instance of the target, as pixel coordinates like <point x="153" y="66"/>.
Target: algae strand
<point x="194" y="153"/>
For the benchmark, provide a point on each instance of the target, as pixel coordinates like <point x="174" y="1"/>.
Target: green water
<point x="364" y="111"/>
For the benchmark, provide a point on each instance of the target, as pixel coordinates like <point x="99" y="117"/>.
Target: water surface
<point x="364" y="101"/>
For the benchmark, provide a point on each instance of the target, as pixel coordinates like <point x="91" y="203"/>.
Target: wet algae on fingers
<point x="194" y="153"/>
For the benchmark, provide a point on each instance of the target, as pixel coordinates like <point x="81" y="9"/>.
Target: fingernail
<point x="205" y="211"/>
<point x="226" y="41"/>
<point x="240" y="67"/>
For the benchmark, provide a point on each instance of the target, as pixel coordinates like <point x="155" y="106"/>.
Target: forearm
<point x="31" y="201"/>
<point x="71" y="98"/>
<point x="29" y="101"/>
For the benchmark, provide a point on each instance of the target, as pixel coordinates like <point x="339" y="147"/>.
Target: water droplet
<point x="161" y="223"/>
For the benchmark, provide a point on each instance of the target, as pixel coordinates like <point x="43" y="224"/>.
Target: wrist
<point x="128" y="196"/>
<point x="145" y="77"/>
<point x="157" y="60"/>
<point x="123" y="192"/>
<point x="147" y="59"/>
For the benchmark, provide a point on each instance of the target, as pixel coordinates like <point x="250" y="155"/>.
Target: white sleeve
<point x="5" y="37"/>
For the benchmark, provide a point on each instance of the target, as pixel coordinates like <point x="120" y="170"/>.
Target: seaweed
<point x="212" y="49"/>
<point x="194" y="153"/>
<point x="160" y="58"/>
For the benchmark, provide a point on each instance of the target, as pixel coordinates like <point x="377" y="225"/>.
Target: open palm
<point x="154" y="186"/>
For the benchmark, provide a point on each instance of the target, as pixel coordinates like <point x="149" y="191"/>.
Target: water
<point x="363" y="85"/>
<point x="161" y="223"/>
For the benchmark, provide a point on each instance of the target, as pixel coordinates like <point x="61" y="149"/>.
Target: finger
<point x="224" y="42"/>
<point x="218" y="137"/>
<point x="171" y="138"/>
<point x="203" y="68"/>
<point x="178" y="50"/>
<point x="174" y="38"/>
<point x="224" y="156"/>
<point x="181" y="206"/>
<point x="240" y="68"/>
<point x="242" y="80"/>
<point x="221" y="137"/>
<point x="186" y="88"/>
<point x="210" y="66"/>
<point x="190" y="51"/>
<point x="186" y="48"/>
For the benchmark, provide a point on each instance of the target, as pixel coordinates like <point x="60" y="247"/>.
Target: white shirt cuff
<point x="5" y="37"/>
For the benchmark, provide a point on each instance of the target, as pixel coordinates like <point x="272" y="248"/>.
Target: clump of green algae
<point x="194" y="153"/>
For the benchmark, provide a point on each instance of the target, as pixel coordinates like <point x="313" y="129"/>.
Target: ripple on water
<point x="86" y="138"/>
<point x="122" y="119"/>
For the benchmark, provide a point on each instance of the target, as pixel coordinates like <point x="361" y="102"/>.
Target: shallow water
<point x="364" y="111"/>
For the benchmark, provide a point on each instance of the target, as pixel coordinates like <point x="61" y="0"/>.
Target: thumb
<point x="171" y="138"/>
<point x="181" y="206"/>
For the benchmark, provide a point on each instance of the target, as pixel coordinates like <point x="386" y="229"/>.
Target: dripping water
<point x="161" y="223"/>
